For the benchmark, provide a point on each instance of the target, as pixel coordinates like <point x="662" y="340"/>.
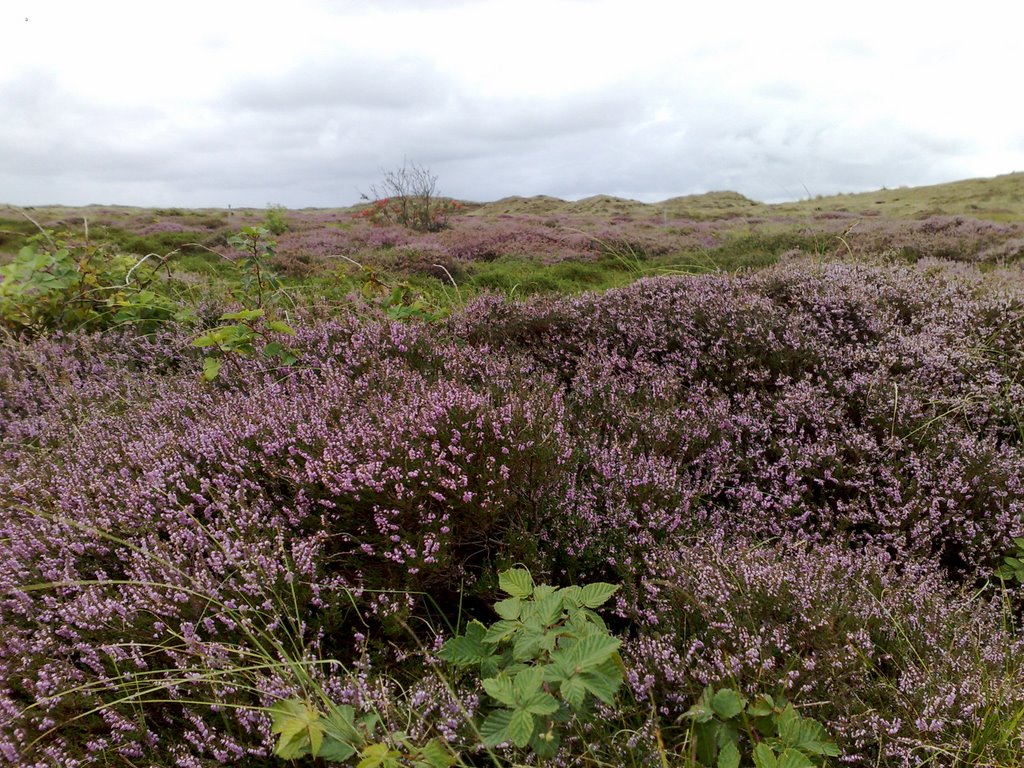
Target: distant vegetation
<point x="703" y="483"/>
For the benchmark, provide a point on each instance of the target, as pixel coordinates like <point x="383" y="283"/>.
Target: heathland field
<point x="705" y="482"/>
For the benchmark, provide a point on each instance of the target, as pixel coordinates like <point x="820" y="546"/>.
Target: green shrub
<point x="53" y="285"/>
<point x="729" y="730"/>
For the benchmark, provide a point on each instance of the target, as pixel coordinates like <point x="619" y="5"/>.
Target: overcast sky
<point x="303" y="102"/>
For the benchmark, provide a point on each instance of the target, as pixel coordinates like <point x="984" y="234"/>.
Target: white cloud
<point x="203" y="103"/>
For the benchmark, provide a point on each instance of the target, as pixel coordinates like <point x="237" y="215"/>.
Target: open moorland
<point x="705" y="482"/>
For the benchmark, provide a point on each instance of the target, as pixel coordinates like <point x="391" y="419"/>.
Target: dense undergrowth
<point x="803" y="482"/>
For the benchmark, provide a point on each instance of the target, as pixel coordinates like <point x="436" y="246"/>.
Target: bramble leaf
<point x="500" y="630"/>
<point x="494" y="730"/>
<point x="727" y="703"/>
<point x="211" y="368"/>
<point x="520" y="727"/>
<point x="434" y="754"/>
<point x="510" y="608"/>
<point x="466" y="649"/>
<point x="280" y="326"/>
<point x="592" y="651"/>
<point x="527" y="644"/>
<point x="729" y="756"/>
<point x="299" y="726"/>
<point x="597" y="594"/>
<point x="762" y="706"/>
<point x="764" y="757"/>
<point x="377" y="756"/>
<point x="340" y="724"/>
<point x="791" y="758"/>
<point x="549" y="609"/>
<point x="243" y="315"/>
<point x="516" y="582"/>
<point x="573" y="691"/>
<point x="541" y="591"/>
<point x="501" y="688"/>
<point x="572" y="597"/>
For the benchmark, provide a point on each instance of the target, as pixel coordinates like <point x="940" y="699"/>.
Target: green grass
<point x="997" y="199"/>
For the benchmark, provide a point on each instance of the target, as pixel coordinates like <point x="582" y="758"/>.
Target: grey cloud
<point x="402" y="82"/>
<point x="317" y="135"/>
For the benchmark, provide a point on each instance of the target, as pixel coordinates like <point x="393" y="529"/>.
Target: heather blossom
<point x="803" y="478"/>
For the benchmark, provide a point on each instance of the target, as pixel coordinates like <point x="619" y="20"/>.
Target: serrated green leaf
<point x="510" y="608"/>
<point x="340" y="724"/>
<point x="699" y="712"/>
<point x="706" y="735"/>
<point x="573" y="691"/>
<point x="572" y="597"/>
<point x="528" y="682"/>
<point x="516" y="582"/>
<point x="273" y="349"/>
<point x="494" y="730"/>
<point x="727" y="703"/>
<point x="541" y="591"/>
<point x="501" y="688"/>
<point x="299" y="727"/>
<point x="490" y="666"/>
<point x="601" y="686"/>
<point x="287" y="715"/>
<point x="376" y="756"/>
<point x="728" y="732"/>
<point x="520" y="727"/>
<point x="597" y="594"/>
<point x="211" y="368"/>
<point x="540" y="703"/>
<point x="762" y="706"/>
<point x="206" y="340"/>
<point x="466" y="649"/>
<point x="435" y="754"/>
<point x="315" y="733"/>
<point x="527" y="644"/>
<point x="592" y="618"/>
<point x="728" y="756"/>
<point x="243" y="314"/>
<point x="369" y="723"/>
<point x="764" y="757"/>
<point x="788" y="724"/>
<point x="500" y="630"/>
<point x="549" y="609"/>
<point x="792" y="758"/>
<point x="280" y="327"/>
<point x="813" y="738"/>
<point x="592" y="651"/>
<point x="334" y="751"/>
<point x="292" y="748"/>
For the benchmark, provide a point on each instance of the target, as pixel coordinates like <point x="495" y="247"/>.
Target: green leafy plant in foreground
<point x="56" y="284"/>
<point x="275" y="220"/>
<point x="729" y="731"/>
<point x="1012" y="568"/>
<point x="242" y="332"/>
<point x="543" y="663"/>
<point x="248" y="329"/>
<point x="340" y="736"/>
<point x="397" y="300"/>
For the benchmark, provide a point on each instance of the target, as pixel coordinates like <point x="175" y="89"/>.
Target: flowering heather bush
<point x="900" y="666"/>
<point x="795" y="475"/>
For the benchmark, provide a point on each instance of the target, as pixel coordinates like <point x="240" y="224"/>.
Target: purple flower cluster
<point x="794" y="474"/>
